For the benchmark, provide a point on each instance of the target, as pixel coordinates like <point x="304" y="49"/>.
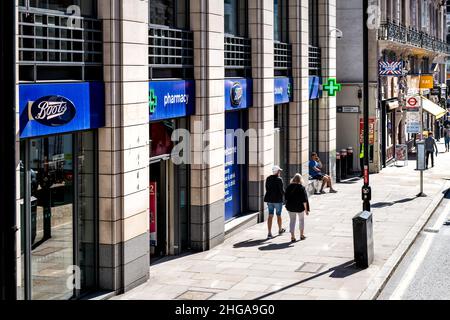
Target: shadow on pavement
<point x="276" y="246"/>
<point x="380" y="205"/>
<point x="249" y="243"/>
<point x="341" y="271"/>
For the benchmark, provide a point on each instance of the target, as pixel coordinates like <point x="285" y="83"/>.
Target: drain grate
<point x="195" y="295"/>
<point x="310" y="267"/>
<point x="429" y="230"/>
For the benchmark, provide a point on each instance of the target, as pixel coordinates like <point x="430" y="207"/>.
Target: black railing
<point x="392" y="31"/>
<point x="238" y="52"/>
<point x="51" y="43"/>
<point x="172" y="48"/>
<point x="315" y="59"/>
<point x="282" y="56"/>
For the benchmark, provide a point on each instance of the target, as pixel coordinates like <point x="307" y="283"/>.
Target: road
<point x="424" y="273"/>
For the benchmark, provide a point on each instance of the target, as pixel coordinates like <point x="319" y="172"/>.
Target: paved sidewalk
<point x="248" y="267"/>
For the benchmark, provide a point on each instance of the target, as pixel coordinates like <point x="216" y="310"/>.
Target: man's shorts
<point x="318" y="176"/>
<point x="275" y="206"/>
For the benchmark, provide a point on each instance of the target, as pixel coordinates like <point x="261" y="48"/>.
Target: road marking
<point x="412" y="269"/>
<point x="420" y="256"/>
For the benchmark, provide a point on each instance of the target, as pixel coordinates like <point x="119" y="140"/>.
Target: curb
<point x="382" y="277"/>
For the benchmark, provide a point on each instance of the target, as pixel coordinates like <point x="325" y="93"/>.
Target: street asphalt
<point x="424" y="273"/>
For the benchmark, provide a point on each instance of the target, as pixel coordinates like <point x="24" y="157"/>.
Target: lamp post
<point x="8" y="228"/>
<point x="366" y="190"/>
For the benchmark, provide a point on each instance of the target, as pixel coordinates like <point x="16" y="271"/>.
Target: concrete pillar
<point x="327" y="105"/>
<point x="299" y="108"/>
<point x="208" y="151"/>
<point x="261" y="115"/>
<point x="124" y="147"/>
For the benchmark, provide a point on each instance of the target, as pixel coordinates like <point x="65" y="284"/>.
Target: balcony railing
<point x="171" y="48"/>
<point x="315" y="59"/>
<point x="391" y="31"/>
<point x="283" y="56"/>
<point x="53" y="46"/>
<point x="238" y="53"/>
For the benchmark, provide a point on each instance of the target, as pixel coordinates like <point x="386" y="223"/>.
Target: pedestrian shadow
<point x="380" y="205"/>
<point x="276" y="246"/>
<point x="341" y="271"/>
<point x="249" y="243"/>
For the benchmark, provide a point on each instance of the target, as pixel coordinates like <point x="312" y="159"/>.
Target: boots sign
<point x="53" y="111"/>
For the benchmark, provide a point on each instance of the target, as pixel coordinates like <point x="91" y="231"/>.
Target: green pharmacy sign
<point x="332" y="87"/>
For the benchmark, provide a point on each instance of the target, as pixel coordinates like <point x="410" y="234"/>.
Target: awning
<point x="432" y="108"/>
<point x="393" y="104"/>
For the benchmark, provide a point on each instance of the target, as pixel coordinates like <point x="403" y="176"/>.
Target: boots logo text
<point x="53" y="111"/>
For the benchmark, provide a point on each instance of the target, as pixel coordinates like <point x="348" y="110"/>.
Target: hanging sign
<point x="283" y="90"/>
<point x="390" y="68"/>
<point x="413" y="124"/>
<point x="238" y="94"/>
<point x="371" y="131"/>
<point x="426" y="82"/>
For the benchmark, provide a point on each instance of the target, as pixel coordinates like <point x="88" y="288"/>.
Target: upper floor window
<point x="171" y="13"/>
<point x="280" y="20"/>
<point x="236" y="18"/>
<point x="313" y="23"/>
<point x="88" y="8"/>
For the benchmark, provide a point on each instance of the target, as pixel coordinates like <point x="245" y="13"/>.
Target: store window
<point x="88" y="7"/>
<point x="281" y="20"/>
<point x="236" y="12"/>
<point x="59" y="221"/>
<point x="171" y="13"/>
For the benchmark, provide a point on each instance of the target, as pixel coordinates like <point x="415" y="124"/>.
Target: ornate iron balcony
<point x="283" y="56"/>
<point x="169" y="47"/>
<point x="51" y="42"/>
<point x="392" y="31"/>
<point x="238" y="53"/>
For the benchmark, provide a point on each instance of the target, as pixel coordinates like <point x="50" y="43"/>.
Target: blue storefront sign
<point x="315" y="87"/>
<point x="283" y="90"/>
<point x="171" y="99"/>
<point x="48" y="109"/>
<point x="238" y="94"/>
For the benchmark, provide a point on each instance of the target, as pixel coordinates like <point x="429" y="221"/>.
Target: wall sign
<point x="283" y="90"/>
<point x="238" y="94"/>
<point x="348" y="109"/>
<point x="171" y="99"/>
<point x="371" y="131"/>
<point x="426" y="82"/>
<point x="47" y="109"/>
<point x="153" y="213"/>
<point x="52" y="111"/>
<point x="315" y="87"/>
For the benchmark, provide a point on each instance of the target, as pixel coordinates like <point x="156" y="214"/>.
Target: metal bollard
<point x="350" y="161"/>
<point x="363" y="239"/>
<point x="343" y="164"/>
<point x="338" y="167"/>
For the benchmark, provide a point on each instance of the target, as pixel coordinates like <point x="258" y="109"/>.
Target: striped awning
<point x="432" y="108"/>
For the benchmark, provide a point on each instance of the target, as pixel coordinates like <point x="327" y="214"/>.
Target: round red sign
<point x="412" y="102"/>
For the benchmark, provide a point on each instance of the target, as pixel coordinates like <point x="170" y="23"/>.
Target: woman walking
<point x="297" y="205"/>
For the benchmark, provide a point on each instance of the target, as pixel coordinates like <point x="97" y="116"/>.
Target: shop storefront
<point x="171" y="103"/>
<point x="58" y="172"/>
<point x="283" y="96"/>
<point x="238" y="98"/>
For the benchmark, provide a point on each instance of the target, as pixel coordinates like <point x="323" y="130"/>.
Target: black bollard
<point x="350" y="161"/>
<point x="338" y="167"/>
<point x="343" y="164"/>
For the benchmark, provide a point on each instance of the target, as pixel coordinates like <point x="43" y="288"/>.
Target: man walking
<point x="430" y="148"/>
<point x="274" y="199"/>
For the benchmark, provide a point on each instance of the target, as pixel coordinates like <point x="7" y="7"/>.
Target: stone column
<point x="261" y="115"/>
<point x="124" y="147"/>
<point x="327" y="105"/>
<point x="208" y="126"/>
<point x="299" y="108"/>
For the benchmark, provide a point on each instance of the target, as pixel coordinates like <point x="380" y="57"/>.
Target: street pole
<point x="8" y="228"/>
<point x="366" y="190"/>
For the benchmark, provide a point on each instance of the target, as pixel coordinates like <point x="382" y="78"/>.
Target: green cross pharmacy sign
<point x="332" y="87"/>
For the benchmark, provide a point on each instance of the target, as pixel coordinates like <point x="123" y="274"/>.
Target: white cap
<point x="276" y="169"/>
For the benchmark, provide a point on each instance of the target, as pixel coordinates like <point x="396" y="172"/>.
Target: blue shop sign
<point x="283" y="90"/>
<point x="238" y="94"/>
<point x="315" y="87"/>
<point x="171" y="99"/>
<point x="48" y="109"/>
